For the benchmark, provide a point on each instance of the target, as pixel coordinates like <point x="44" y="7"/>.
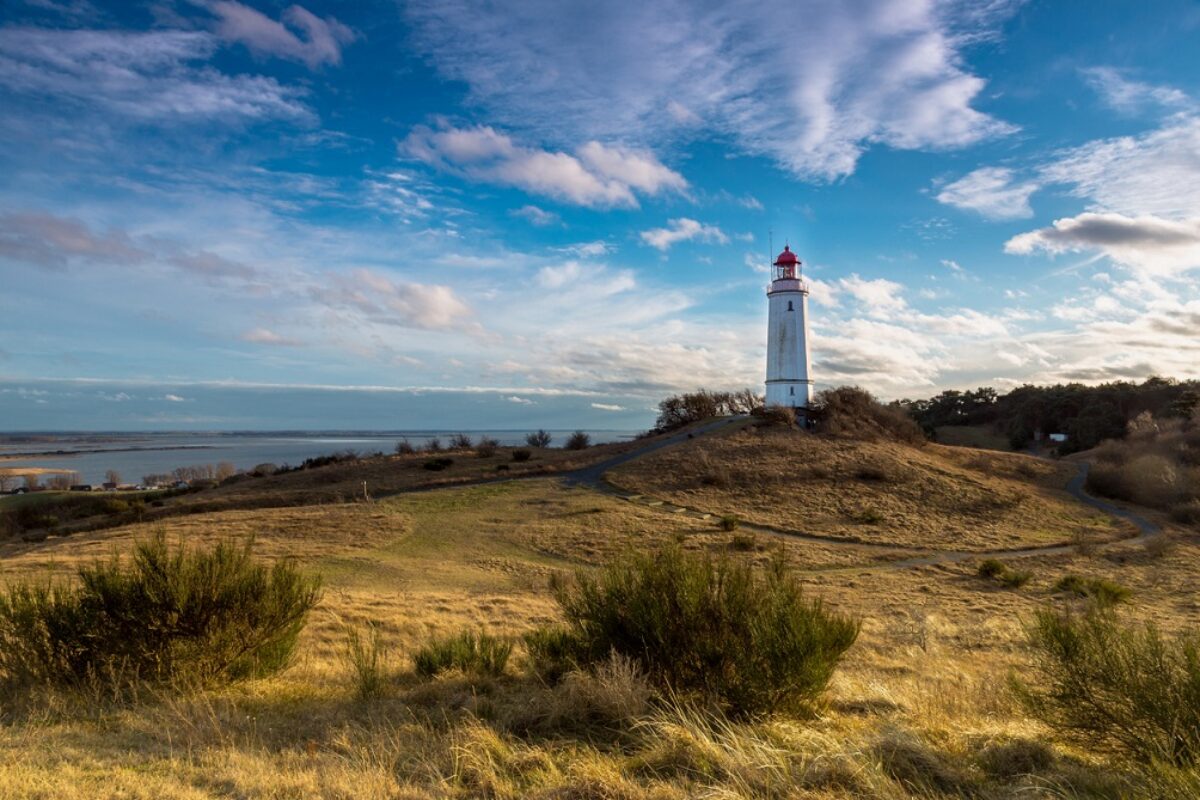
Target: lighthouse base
<point x="789" y="393"/>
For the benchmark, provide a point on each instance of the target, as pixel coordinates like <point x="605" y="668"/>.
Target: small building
<point x="1057" y="438"/>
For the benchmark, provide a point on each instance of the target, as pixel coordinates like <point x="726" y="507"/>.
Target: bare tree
<point x="112" y="476"/>
<point x="539" y="439"/>
<point x="32" y="482"/>
<point x="62" y="481"/>
<point x="7" y="482"/>
<point x="225" y="470"/>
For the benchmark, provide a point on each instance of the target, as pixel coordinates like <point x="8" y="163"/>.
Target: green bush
<point x="1015" y="578"/>
<point x="1101" y="590"/>
<point x="741" y="636"/>
<point x="470" y="652"/>
<point x="744" y="542"/>
<point x="729" y="523"/>
<point x="202" y="616"/>
<point x="552" y="651"/>
<point x="1127" y="686"/>
<point x="367" y="658"/>
<point x="995" y="570"/>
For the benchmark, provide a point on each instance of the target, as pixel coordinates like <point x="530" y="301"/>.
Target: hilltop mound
<point x="878" y="491"/>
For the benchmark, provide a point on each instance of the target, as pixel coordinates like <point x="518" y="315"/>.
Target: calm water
<point x="135" y="455"/>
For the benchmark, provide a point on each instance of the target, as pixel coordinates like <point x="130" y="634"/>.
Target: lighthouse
<point x="788" y="379"/>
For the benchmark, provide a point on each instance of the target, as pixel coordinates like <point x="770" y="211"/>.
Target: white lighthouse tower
<point x="788" y="380"/>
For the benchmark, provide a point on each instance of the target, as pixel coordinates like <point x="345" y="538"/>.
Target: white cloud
<point x="992" y="192"/>
<point x="524" y="401"/>
<point x="608" y="407"/>
<point x="1157" y="173"/>
<point x="1146" y="244"/>
<point x="174" y="398"/>
<point x="810" y="84"/>
<point x="145" y="75"/>
<point x="322" y="42"/>
<point x="879" y="296"/>
<point x="266" y="336"/>
<point x="683" y="230"/>
<point x="536" y="216"/>
<point x="1129" y="96"/>
<point x="593" y="249"/>
<point x="396" y="302"/>
<point x="597" y="176"/>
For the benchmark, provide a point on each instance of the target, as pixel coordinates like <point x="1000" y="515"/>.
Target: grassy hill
<point x="917" y="710"/>
<point x="931" y="497"/>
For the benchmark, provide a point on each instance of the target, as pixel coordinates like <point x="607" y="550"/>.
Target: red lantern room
<point x="787" y="266"/>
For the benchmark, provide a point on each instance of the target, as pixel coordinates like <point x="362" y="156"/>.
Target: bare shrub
<point x="486" y="447"/>
<point x="539" y="438"/>
<point x="851" y="411"/>
<point x="578" y="440"/>
<point x="777" y="415"/>
<point x="434" y="445"/>
<point x="404" y="448"/>
<point x="460" y="441"/>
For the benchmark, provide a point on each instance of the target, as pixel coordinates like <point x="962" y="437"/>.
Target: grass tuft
<point x="474" y="653"/>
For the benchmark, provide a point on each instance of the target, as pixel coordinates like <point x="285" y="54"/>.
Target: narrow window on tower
<point x="792" y="390"/>
<point x="789" y="305"/>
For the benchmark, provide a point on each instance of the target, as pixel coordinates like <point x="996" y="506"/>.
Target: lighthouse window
<point x="789" y="305"/>
<point x="792" y="390"/>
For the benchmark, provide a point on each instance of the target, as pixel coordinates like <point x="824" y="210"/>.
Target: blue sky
<point x="435" y="213"/>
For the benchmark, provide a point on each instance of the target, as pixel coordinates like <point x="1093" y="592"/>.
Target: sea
<point x="134" y="455"/>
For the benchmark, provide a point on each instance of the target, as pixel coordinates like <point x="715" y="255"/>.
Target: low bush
<point x="552" y="651"/>
<point x="729" y="523"/>
<point x="434" y="445"/>
<point x="1188" y="513"/>
<point x="539" y="439"/>
<point x="1127" y="686"/>
<point x="744" y="542"/>
<point x="991" y="568"/>
<point x="851" y="411"/>
<point x="1101" y="590"/>
<point x="367" y="658"/>
<point x="521" y="455"/>
<point x="201" y="616"/>
<point x="404" y="448"/>
<point x="578" y="441"/>
<point x="437" y="464"/>
<point x="486" y="447"/>
<point x="474" y="653"/>
<point x="871" y="472"/>
<point x="996" y="570"/>
<point x="460" y="441"/>
<point x="779" y="416"/>
<point x="743" y="637"/>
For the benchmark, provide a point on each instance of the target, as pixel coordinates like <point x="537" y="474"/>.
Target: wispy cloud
<point x="1147" y="243"/>
<point x="1130" y="97"/>
<point x="151" y="75"/>
<point x="809" y="84"/>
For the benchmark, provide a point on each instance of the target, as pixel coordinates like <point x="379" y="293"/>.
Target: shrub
<point x="683" y="409"/>
<point x="1101" y="590"/>
<point x="367" y="658"/>
<point x="539" y="439"/>
<point x="502" y="468"/>
<point x="486" y="448"/>
<point x="744" y="542"/>
<point x="404" y="448"/>
<point x="779" y="416"/>
<point x="991" y="568"/>
<point x="578" y="441"/>
<point x="1188" y="513"/>
<point x="552" y="651"/>
<point x="202" y="616"/>
<point x="438" y="464"/>
<point x="1122" y="685"/>
<point x="851" y="411"/>
<point x="871" y="472"/>
<point x="729" y="523"/>
<point x="460" y="441"/>
<point x="434" y="445"/>
<point x="467" y="651"/>
<point x="1015" y="578"/>
<point x="741" y="636"/>
<point x="521" y="455"/>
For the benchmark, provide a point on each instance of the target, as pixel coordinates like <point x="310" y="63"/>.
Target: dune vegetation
<point x="479" y="641"/>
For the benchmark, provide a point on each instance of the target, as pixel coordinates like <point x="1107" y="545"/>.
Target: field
<point x="918" y="709"/>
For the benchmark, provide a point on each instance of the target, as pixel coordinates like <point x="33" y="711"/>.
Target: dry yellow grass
<point x="917" y="711"/>
<point x="933" y="497"/>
